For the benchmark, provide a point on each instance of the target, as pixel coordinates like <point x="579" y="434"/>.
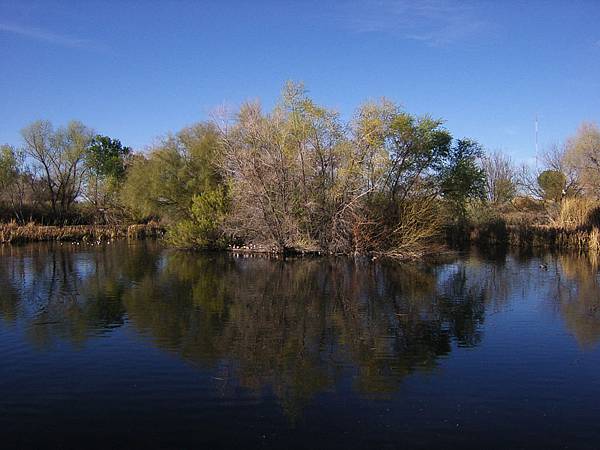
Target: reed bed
<point x="14" y="233"/>
<point x="578" y="212"/>
<point x="585" y="239"/>
<point x="573" y="224"/>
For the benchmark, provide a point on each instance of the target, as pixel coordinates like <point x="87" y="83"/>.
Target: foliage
<point x="302" y="178"/>
<point x="164" y="183"/>
<point x="553" y="184"/>
<point x="106" y="157"/>
<point x="400" y="214"/>
<point x="203" y="229"/>
<point x="106" y="160"/>
<point x="462" y="179"/>
<point x="297" y="176"/>
<point x="290" y="171"/>
<point x="556" y="158"/>
<point x="8" y="166"/>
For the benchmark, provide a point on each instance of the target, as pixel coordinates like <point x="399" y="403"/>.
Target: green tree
<point x="9" y="173"/>
<point x="15" y="181"/>
<point x="203" y="228"/>
<point x="552" y="184"/>
<point x="164" y="182"/>
<point x="8" y="167"/>
<point x="406" y="153"/>
<point x="106" y="163"/>
<point x="106" y="157"/>
<point x="462" y="179"/>
<point x="415" y="148"/>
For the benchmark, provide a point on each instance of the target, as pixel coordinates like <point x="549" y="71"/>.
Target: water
<point x="137" y="346"/>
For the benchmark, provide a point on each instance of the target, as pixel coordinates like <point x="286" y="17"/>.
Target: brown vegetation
<point x="574" y="224"/>
<point x="14" y="233"/>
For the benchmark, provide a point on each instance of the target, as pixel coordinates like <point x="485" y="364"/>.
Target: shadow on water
<point x="295" y="327"/>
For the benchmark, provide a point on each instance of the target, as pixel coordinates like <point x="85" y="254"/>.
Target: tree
<point x="301" y="178"/>
<point x="500" y="177"/>
<point x="59" y="159"/>
<point x="264" y="167"/>
<point x="106" y="157"/>
<point x="462" y="179"/>
<point x="8" y="167"/>
<point x="555" y="158"/>
<point x="552" y="184"/>
<point x="106" y="164"/>
<point x="404" y="157"/>
<point x="15" y="181"/>
<point x="583" y="155"/>
<point x="203" y="229"/>
<point x="289" y="173"/>
<point x="164" y="183"/>
<point x="415" y="147"/>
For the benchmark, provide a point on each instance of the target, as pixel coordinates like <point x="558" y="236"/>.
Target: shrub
<point x="203" y="229"/>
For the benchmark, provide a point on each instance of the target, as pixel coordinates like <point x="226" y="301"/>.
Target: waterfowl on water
<point x="544" y="266"/>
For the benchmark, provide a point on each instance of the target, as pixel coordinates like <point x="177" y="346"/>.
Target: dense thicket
<point x="299" y="177"/>
<point x="295" y="177"/>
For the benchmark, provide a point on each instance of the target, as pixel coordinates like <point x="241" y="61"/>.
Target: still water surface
<point x="137" y="346"/>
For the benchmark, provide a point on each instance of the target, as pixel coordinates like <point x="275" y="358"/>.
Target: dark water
<point x="135" y="346"/>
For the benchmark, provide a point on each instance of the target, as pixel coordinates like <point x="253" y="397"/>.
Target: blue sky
<point x="136" y="70"/>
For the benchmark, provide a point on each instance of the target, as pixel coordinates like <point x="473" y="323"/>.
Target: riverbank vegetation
<point x="301" y="178"/>
<point x="12" y="233"/>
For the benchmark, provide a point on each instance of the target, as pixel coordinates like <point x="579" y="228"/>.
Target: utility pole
<point x="536" y="141"/>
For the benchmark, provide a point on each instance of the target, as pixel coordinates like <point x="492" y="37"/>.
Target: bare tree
<point x="501" y="182"/>
<point x="299" y="177"/>
<point x="527" y="181"/>
<point x="59" y="159"/>
<point x="582" y="155"/>
<point x="260" y="161"/>
<point x="294" y="174"/>
<point x="555" y="158"/>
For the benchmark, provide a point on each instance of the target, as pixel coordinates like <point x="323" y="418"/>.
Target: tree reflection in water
<point x="294" y="326"/>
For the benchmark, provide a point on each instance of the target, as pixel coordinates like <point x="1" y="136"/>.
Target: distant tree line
<point x="296" y="177"/>
<point x="62" y="175"/>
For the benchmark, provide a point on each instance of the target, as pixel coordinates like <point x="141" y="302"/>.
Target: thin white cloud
<point x="434" y="22"/>
<point x="46" y="36"/>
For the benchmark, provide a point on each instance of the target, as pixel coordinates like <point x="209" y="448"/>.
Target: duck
<point x="544" y="266"/>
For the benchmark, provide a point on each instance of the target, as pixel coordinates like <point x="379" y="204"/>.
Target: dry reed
<point x="14" y="233"/>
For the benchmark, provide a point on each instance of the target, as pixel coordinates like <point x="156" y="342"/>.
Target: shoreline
<point x="493" y="234"/>
<point x="20" y="234"/>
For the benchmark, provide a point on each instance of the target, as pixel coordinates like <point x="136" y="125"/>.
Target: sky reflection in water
<point x="133" y="345"/>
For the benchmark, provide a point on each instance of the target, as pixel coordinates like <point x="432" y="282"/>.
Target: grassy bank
<point x="13" y="233"/>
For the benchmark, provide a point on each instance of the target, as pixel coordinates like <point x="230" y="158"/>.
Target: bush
<point x="203" y="229"/>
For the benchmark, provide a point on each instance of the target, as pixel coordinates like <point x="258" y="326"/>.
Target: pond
<point x="134" y="345"/>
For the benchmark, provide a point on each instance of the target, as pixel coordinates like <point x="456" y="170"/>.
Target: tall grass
<point x="14" y="233"/>
<point x="578" y="212"/>
<point x="574" y="224"/>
